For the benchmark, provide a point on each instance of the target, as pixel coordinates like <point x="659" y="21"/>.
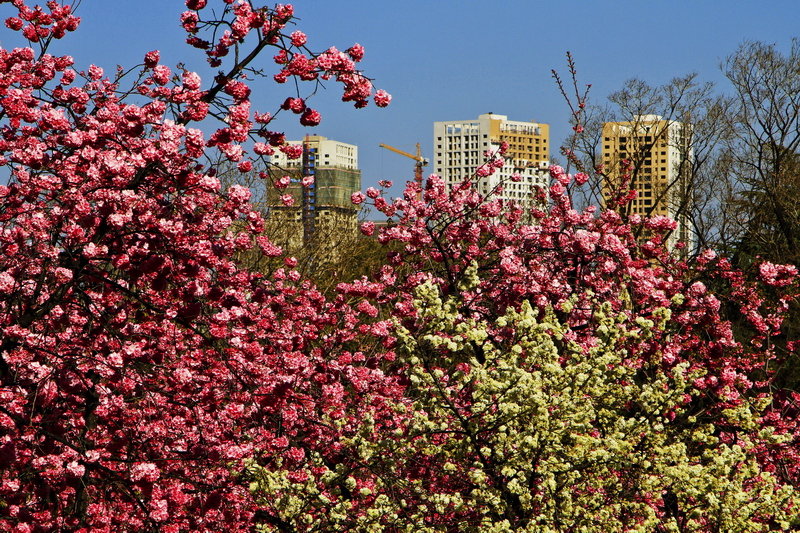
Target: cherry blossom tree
<point x="139" y="363"/>
<point x="559" y="377"/>
<point x="502" y="370"/>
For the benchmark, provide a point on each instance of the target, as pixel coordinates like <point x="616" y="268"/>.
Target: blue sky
<point x="453" y="60"/>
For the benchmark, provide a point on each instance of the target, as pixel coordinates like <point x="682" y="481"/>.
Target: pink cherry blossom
<point x="382" y="98"/>
<point x="151" y="59"/>
<point x="298" y="38"/>
<point x="310" y="117"/>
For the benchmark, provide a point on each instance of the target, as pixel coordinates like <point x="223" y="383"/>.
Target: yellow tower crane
<point x="421" y="161"/>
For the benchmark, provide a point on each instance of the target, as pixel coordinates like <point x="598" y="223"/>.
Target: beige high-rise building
<point x="459" y="148"/>
<point x="658" y="154"/>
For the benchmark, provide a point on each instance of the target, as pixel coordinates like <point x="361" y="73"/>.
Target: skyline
<point x="455" y="60"/>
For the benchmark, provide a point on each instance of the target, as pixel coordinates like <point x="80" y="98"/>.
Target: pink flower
<point x="295" y="454"/>
<point x="296" y="105"/>
<point x="7" y="282"/>
<point x="239" y="90"/>
<point x="267" y="247"/>
<point x="557" y="189"/>
<point x="357" y="198"/>
<point x="262" y="149"/>
<point x="151" y="59"/>
<point x="777" y="275"/>
<point x="95" y="72"/>
<point x="308" y="181"/>
<point x="76" y="469"/>
<point x="63" y="275"/>
<point x="161" y="74"/>
<point x="159" y="509"/>
<point x="382" y="98"/>
<point x="367" y="308"/>
<point x="287" y="200"/>
<point x="263" y="118"/>
<point x="298" y="38"/>
<point x="144" y="471"/>
<point x="661" y="223"/>
<point x="556" y="171"/>
<point x="283" y="182"/>
<point x="14" y="23"/>
<point x="311" y="117"/>
<point x="368" y="228"/>
<point x="292" y="151"/>
<point x="189" y="20"/>
<point x="708" y="255"/>
<point x="484" y="171"/>
<point x="356" y="52"/>
<point x="239" y="194"/>
<point x="373" y="193"/>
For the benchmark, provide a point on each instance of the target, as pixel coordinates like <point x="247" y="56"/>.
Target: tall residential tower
<point x="659" y="154"/>
<point x="459" y="148"/>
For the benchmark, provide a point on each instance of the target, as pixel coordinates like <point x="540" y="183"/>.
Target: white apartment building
<point x="329" y="153"/>
<point x="460" y="147"/>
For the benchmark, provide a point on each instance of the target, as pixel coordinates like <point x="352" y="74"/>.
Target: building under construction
<point x="323" y="205"/>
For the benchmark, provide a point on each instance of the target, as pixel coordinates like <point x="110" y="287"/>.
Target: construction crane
<point x="421" y="161"/>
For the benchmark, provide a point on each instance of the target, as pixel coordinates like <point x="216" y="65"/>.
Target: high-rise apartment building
<point x="658" y="154"/>
<point x="460" y="147"/>
<point x="325" y="204"/>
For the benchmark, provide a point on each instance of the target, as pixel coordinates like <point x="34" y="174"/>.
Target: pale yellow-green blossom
<point x="540" y="434"/>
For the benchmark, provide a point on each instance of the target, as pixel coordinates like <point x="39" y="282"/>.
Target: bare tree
<point x="762" y="155"/>
<point x="689" y="191"/>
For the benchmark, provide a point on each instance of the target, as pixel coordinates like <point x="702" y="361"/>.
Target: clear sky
<point x="453" y="60"/>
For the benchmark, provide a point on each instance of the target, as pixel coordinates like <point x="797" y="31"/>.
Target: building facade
<point x="460" y="148"/>
<point x="656" y="156"/>
<point x="324" y="207"/>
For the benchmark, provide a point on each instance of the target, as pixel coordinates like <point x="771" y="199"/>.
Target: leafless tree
<point x="684" y="100"/>
<point x="762" y="155"/>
